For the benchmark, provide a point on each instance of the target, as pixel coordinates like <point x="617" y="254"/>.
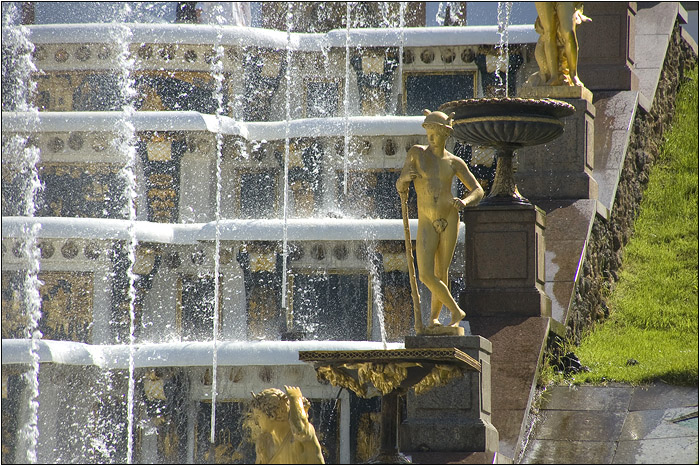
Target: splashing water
<point x="373" y="267"/>
<point x="285" y="202"/>
<point x="504" y="9"/>
<point x="217" y="70"/>
<point x="24" y="157"/>
<point x="125" y="142"/>
<point x="346" y="100"/>
<point x="445" y="16"/>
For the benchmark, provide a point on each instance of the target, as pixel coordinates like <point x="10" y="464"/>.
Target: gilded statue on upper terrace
<point x="556" y="51"/>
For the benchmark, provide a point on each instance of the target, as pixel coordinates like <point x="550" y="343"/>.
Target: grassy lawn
<point x="654" y="306"/>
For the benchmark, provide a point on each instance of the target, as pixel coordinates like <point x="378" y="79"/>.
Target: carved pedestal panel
<point x="504" y="262"/>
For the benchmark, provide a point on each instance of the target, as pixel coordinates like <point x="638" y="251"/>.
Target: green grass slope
<point x="652" y="332"/>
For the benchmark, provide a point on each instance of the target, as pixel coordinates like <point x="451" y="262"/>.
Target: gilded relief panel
<point x="160" y="154"/>
<point x="88" y="190"/>
<point x="398" y="305"/>
<point x="66" y="306"/>
<point x="230" y="445"/>
<point x="164" y="398"/>
<point x="195" y="307"/>
<point x="263" y="315"/>
<point x="101" y="91"/>
<point x="66" y="299"/>
<point x="14" y="320"/>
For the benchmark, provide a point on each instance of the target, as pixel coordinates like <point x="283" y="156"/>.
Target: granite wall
<point x="608" y="236"/>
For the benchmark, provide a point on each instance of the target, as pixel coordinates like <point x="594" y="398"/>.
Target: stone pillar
<point x="562" y="168"/>
<point x="606" y="46"/>
<point x="456" y="416"/>
<point x="102" y="304"/>
<point x="504" y="262"/>
<point x="196" y="175"/>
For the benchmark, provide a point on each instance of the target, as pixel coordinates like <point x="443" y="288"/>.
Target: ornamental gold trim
<point x="388" y="377"/>
<point x="441" y="374"/>
<point x="420" y="355"/>
<point x="509" y="118"/>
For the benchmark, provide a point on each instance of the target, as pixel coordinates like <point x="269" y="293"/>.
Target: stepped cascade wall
<point x="299" y="134"/>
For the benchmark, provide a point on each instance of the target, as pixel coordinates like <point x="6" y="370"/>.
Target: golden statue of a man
<point x="557" y="50"/>
<point x="432" y="169"/>
<point x="279" y="426"/>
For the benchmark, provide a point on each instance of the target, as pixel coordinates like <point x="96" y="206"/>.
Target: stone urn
<point x="507" y="124"/>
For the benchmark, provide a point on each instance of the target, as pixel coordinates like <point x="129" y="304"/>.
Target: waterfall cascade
<point x="209" y="191"/>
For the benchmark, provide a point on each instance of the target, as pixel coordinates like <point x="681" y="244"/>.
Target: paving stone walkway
<point x="615" y="424"/>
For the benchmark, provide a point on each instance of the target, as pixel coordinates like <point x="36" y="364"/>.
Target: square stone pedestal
<point x="457" y="416"/>
<point x="607" y="46"/>
<point x="504" y="262"/>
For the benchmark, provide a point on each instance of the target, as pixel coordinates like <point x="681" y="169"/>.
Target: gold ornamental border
<point x="509" y="118"/>
<point x="420" y="355"/>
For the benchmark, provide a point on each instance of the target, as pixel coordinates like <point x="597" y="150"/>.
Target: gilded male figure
<point x="432" y="169"/>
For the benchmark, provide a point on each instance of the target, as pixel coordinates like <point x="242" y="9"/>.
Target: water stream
<point x="402" y="40"/>
<point x="217" y="70"/>
<point x="21" y="87"/>
<point x="504" y="9"/>
<point x="289" y="18"/>
<point x="125" y="142"/>
<point x="373" y="267"/>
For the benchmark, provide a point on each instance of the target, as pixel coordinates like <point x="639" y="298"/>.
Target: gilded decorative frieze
<point x="93" y="190"/>
<point x="98" y="90"/>
<point x="384" y="377"/>
<point x="66" y="306"/>
<point x="440" y="375"/>
<point x="337" y="377"/>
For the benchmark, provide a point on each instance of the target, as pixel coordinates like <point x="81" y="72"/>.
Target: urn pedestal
<point x="504" y="262"/>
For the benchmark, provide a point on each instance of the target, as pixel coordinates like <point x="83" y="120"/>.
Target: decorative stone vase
<point x="507" y="124"/>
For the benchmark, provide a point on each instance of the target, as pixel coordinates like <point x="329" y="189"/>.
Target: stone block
<point x="593" y="426"/>
<point x="588" y="398"/>
<point x="662" y="396"/>
<point x="682" y="450"/>
<point x="504" y="261"/>
<point x="431" y="435"/>
<point x="607" y="46"/>
<point x="569" y="452"/>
